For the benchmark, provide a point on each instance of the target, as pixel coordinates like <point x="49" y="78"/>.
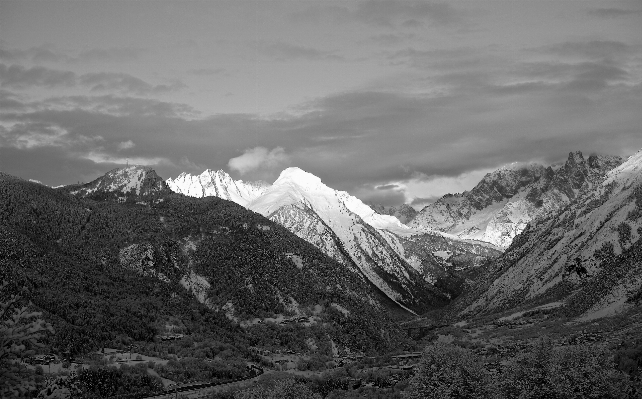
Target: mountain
<point x="105" y="270"/>
<point x="501" y="205"/>
<point x="348" y="230"/>
<point x="140" y="181"/>
<point x="587" y="254"/>
<point x="405" y="213"/>
<point x="377" y="248"/>
<point x="218" y="184"/>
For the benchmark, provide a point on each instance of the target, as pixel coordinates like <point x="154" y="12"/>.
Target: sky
<point x="393" y="101"/>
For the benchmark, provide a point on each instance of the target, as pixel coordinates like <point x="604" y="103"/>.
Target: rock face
<point x="217" y="184"/>
<point x="587" y="253"/>
<point x="506" y="200"/>
<point x="133" y="180"/>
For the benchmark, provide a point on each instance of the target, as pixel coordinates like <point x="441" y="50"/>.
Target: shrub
<point x="282" y="389"/>
<point x="448" y="371"/>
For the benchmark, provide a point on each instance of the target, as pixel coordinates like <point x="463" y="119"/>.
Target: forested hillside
<point x="71" y="253"/>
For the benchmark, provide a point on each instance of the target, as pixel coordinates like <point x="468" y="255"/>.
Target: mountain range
<point x="254" y="251"/>
<point x="500" y="206"/>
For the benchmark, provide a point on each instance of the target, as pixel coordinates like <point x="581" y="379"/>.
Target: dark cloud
<point x="109" y="81"/>
<point x="50" y="53"/>
<point x="112" y="54"/>
<point x="594" y="76"/>
<point x="10" y="101"/>
<point x="595" y="49"/>
<point x="120" y="106"/>
<point x="613" y="12"/>
<point x="18" y="76"/>
<point x="409" y="13"/>
<point x="287" y="52"/>
<point x="43" y="53"/>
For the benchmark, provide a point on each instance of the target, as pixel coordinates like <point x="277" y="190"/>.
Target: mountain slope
<point x="504" y="201"/>
<point x="588" y="254"/>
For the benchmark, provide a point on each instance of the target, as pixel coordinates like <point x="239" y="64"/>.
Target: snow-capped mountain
<point x="588" y="253"/>
<point x="506" y="200"/>
<point x="139" y="180"/>
<point x="218" y="184"/>
<point x="348" y="230"/>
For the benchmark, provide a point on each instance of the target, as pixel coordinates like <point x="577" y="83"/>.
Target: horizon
<point x="392" y="101"/>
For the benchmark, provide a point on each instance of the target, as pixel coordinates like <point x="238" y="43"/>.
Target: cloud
<point x="419" y="202"/>
<point x="104" y="158"/>
<point x="119" y="106"/>
<point x="109" y="81"/>
<point x="126" y="145"/>
<point x="387" y="187"/>
<point x="39" y="54"/>
<point x="286" y="52"/>
<point x="594" y="49"/>
<point x="408" y="13"/>
<point x="112" y="54"/>
<point x="50" y="53"/>
<point x="10" y="101"/>
<point x="385" y="198"/>
<point x="17" y="76"/>
<point x="259" y="159"/>
<point x="613" y="12"/>
<point x="30" y="134"/>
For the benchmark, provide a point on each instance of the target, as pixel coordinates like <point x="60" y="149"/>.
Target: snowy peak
<point x="217" y="184"/>
<point x="138" y="180"/>
<point x="294" y="175"/>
